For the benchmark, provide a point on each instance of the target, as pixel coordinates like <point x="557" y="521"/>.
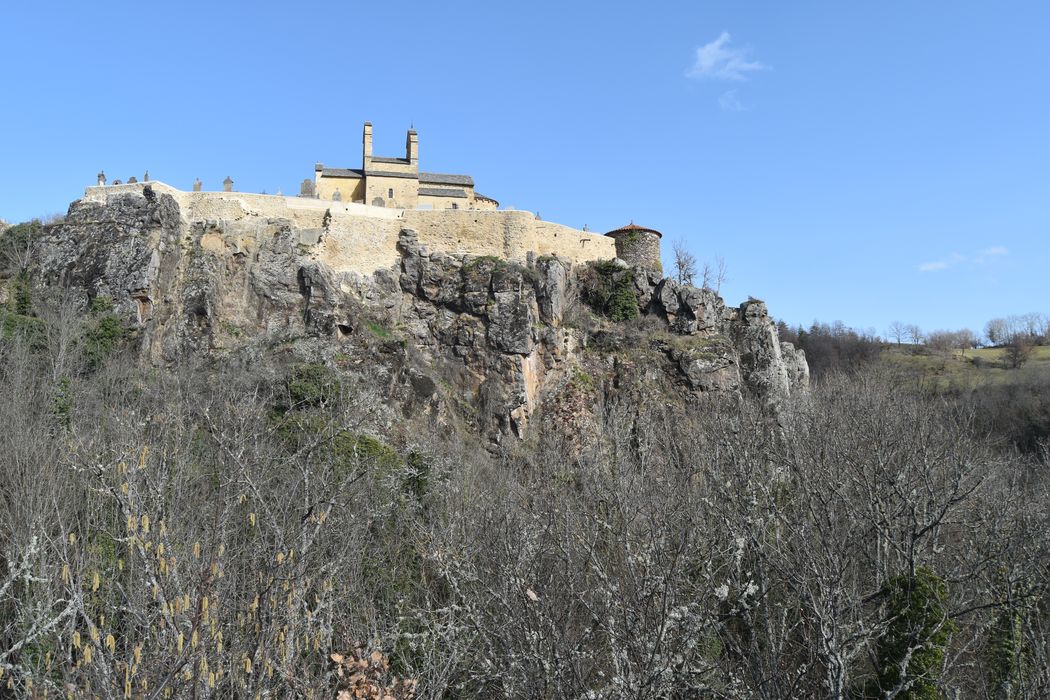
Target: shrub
<point x="22" y="296"/>
<point x="102" y="337"/>
<point x="917" y="636"/>
<point x="18" y="325"/>
<point x="1007" y="660"/>
<point x="1018" y="351"/>
<point x="101" y="304"/>
<point x="16" y="246"/>
<point x="609" y="290"/>
<point x="352" y="450"/>
<point x="368" y="676"/>
<point x="311" y="384"/>
<point x="379" y="330"/>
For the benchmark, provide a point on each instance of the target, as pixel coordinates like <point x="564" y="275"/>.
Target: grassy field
<point x="966" y="369"/>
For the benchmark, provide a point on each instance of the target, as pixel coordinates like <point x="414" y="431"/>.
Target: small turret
<point x="637" y="245"/>
<point x="412" y="148"/>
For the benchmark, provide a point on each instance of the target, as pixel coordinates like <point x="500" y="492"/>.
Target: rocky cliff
<point x="459" y="340"/>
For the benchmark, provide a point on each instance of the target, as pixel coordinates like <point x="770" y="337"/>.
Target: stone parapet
<point x="362" y="239"/>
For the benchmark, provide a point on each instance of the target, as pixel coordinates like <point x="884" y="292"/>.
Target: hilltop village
<point x="360" y="212"/>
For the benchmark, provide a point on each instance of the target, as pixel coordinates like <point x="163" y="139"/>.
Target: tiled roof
<point x="341" y="172"/>
<point x="478" y="195"/>
<point x="442" y="192"/>
<point x="635" y="227"/>
<point x="446" y="179"/>
<point x="428" y="178"/>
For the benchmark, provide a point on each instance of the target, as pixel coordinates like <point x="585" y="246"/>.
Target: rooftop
<point x="446" y="179"/>
<point x="341" y="172"/>
<point x="442" y="192"/>
<point x="635" y="227"/>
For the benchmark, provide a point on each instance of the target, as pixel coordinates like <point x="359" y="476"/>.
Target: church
<point x="397" y="182"/>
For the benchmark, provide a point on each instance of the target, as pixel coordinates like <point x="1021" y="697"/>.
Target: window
<point x="455" y="206"/>
<point x="390" y="193"/>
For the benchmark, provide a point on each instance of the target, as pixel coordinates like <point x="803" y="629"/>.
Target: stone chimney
<point x="412" y="148"/>
<point x="366" y="154"/>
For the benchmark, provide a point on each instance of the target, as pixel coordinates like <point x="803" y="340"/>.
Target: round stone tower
<point x="637" y="245"/>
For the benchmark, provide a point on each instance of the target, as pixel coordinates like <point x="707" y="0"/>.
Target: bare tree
<point x="17" y="244"/>
<point x="996" y="331"/>
<point x="1018" y="350"/>
<point x="713" y="277"/>
<point x="897" y="331"/>
<point x="61" y="315"/>
<point x="212" y="532"/>
<point x="914" y="334"/>
<point x="684" y="263"/>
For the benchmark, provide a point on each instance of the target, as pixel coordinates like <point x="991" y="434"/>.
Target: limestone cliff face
<point x="460" y="340"/>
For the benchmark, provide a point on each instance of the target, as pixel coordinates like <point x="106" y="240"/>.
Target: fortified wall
<point x="360" y="238"/>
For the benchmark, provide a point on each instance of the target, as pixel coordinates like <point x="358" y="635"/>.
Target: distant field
<point x="966" y="369"/>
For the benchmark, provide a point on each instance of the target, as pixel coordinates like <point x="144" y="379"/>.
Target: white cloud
<point x="730" y="102"/>
<point x="979" y="258"/>
<point x="989" y="253"/>
<point x="717" y="60"/>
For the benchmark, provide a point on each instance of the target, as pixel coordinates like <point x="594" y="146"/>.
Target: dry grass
<point x="966" y="369"/>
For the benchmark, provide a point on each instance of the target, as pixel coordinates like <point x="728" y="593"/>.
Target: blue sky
<point x="864" y="162"/>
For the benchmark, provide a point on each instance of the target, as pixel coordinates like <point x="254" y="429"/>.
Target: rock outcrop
<point x="463" y="340"/>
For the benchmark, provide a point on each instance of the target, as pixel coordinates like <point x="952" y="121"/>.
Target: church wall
<point x="406" y="191"/>
<point x="351" y="189"/>
<point x="406" y="168"/>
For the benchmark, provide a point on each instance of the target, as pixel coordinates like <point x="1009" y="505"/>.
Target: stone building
<point x="397" y="182"/>
<point x="638" y="245"/>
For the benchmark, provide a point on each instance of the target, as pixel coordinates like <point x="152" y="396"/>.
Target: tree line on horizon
<point x="835" y="345"/>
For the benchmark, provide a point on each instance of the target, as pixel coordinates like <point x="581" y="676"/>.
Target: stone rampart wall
<point x="363" y="239"/>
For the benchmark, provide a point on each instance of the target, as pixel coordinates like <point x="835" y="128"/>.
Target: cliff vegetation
<point x="232" y="472"/>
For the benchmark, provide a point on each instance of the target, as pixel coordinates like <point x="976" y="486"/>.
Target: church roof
<point x="442" y="192"/>
<point x="635" y="227"/>
<point x="446" y="179"/>
<point x="341" y="172"/>
<point x="424" y="178"/>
